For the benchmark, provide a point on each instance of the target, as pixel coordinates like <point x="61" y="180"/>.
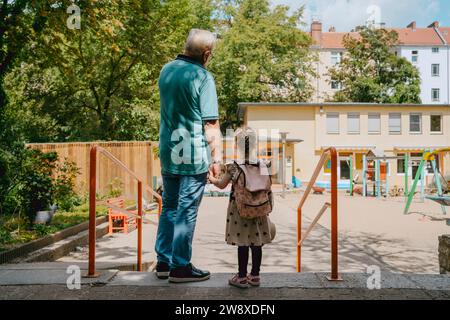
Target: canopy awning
<point x="418" y="149"/>
<point x="273" y="139"/>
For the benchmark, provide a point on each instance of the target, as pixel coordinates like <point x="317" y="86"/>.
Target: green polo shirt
<point x="188" y="98"/>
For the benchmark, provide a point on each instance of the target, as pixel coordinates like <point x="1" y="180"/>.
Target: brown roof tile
<point x="407" y="36"/>
<point x="334" y="40"/>
<point x="419" y="36"/>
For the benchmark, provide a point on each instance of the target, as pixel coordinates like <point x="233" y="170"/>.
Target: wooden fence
<point x="140" y="157"/>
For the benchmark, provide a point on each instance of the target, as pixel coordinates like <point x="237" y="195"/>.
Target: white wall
<point x="323" y="91"/>
<point x="426" y="59"/>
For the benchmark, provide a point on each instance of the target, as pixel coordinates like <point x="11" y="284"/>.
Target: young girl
<point x="243" y="232"/>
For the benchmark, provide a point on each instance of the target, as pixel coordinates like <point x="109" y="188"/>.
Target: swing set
<point x="440" y="197"/>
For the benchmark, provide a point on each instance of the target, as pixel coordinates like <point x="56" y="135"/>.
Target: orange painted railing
<point x="92" y="206"/>
<point x="331" y="152"/>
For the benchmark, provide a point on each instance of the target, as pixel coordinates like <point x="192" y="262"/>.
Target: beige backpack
<point x="252" y="190"/>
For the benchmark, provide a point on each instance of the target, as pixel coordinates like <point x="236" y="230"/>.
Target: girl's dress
<point x="240" y="231"/>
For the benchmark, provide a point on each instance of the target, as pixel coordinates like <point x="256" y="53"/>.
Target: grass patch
<point x="15" y="231"/>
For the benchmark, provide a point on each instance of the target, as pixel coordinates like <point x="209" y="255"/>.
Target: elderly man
<point x="189" y="143"/>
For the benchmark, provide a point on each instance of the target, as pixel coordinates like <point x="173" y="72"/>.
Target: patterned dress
<point x="240" y="231"/>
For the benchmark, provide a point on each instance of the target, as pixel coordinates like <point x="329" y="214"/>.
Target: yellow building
<point x="354" y="129"/>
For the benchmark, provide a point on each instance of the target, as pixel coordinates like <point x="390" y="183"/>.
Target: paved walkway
<point x="372" y="232"/>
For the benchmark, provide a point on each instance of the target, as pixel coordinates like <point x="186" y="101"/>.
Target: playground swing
<point x="440" y="198"/>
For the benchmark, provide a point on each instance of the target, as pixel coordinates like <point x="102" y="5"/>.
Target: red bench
<point x="114" y="215"/>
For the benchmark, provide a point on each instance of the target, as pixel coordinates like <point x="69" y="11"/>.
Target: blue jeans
<point x="181" y="199"/>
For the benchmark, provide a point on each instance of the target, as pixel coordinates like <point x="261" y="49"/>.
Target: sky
<point x="344" y="15"/>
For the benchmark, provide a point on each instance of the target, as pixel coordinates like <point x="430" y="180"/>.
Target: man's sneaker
<point x="254" y="281"/>
<point x="241" y="283"/>
<point x="162" y="270"/>
<point x="188" y="273"/>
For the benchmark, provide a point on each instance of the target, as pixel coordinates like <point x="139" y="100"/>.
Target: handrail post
<point x="139" y="227"/>
<point x="334" y="212"/>
<point x="92" y="210"/>
<point x="92" y="206"/>
<point x="334" y="216"/>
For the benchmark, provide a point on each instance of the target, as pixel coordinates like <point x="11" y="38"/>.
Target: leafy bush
<point x="5" y="236"/>
<point x="115" y="188"/>
<point x="43" y="230"/>
<point x="65" y="196"/>
<point x="32" y="181"/>
<point x="37" y="189"/>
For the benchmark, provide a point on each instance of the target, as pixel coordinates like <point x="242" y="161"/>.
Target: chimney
<point x="316" y="32"/>
<point x="435" y="24"/>
<point x="332" y="29"/>
<point x="412" y="25"/>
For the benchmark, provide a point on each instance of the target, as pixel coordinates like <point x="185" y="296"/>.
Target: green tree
<point x="371" y="72"/>
<point x="262" y="56"/>
<point x="20" y="20"/>
<point x="100" y="82"/>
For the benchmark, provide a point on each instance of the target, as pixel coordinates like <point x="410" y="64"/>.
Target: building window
<point x="435" y="50"/>
<point x="415" y="123"/>
<point x="374" y="123"/>
<point x="415" y="56"/>
<point x="336" y="85"/>
<point x="415" y="162"/>
<point x="435" y="70"/>
<point x="435" y="94"/>
<point x="436" y="123"/>
<point x="333" y="123"/>
<point x="353" y="123"/>
<point x="400" y="164"/>
<point x="336" y="57"/>
<point x="395" y="123"/>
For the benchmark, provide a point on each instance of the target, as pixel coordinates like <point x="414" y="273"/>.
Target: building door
<point x="344" y="165"/>
<point x="415" y="162"/>
<point x="345" y="169"/>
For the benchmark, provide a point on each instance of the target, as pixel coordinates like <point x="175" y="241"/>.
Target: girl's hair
<point x="246" y="142"/>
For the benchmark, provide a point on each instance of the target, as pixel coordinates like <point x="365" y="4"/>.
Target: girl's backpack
<point x="252" y="191"/>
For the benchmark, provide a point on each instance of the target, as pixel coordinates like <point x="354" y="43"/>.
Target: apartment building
<point x="426" y="48"/>
<point x="355" y="129"/>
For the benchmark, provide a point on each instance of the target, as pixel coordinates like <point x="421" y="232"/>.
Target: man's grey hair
<point x="198" y="42"/>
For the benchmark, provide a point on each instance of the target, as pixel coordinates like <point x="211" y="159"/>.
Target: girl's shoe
<point x="241" y="283"/>
<point x="254" y="281"/>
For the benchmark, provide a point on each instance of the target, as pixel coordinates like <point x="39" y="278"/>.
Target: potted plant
<point x="45" y="217"/>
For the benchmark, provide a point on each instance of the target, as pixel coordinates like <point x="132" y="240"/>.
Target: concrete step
<point x="114" y="284"/>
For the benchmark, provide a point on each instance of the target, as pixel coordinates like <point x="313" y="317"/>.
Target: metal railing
<point x="332" y="153"/>
<point x="93" y="203"/>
